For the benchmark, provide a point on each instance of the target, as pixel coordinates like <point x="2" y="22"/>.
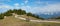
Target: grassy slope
<point x="11" y="21"/>
<point x="32" y="18"/>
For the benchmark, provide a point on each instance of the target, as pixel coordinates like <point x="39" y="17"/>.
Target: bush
<point x="33" y="15"/>
<point x="7" y="14"/>
<point x="29" y="14"/>
<point x="58" y="17"/>
<point x="1" y="16"/>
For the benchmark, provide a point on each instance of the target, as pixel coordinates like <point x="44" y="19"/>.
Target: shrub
<point x="1" y="16"/>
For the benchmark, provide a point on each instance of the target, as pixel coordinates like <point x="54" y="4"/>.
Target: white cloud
<point x="5" y="6"/>
<point x="16" y="5"/>
<point x="26" y="1"/>
<point x="27" y="8"/>
<point x="50" y="9"/>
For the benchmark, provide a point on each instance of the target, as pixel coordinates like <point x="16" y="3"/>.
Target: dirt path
<point x="37" y="20"/>
<point x="44" y="21"/>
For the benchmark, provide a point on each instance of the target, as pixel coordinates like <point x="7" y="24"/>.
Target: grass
<point x="30" y="17"/>
<point x="11" y="21"/>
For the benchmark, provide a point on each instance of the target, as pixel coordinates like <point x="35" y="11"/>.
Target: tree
<point x="29" y="14"/>
<point x="8" y="13"/>
<point x="15" y="10"/>
<point x="23" y="12"/>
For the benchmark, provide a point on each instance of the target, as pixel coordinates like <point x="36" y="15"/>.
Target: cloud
<point x="5" y="0"/>
<point x="16" y="5"/>
<point x="27" y="8"/>
<point x="26" y="1"/>
<point x="5" y="6"/>
<point x="50" y="9"/>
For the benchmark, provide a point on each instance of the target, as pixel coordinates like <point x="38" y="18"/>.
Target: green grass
<point x="11" y="21"/>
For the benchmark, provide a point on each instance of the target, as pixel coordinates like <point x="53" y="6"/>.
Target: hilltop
<point x="18" y="12"/>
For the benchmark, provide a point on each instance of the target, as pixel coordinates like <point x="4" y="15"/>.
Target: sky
<point x="47" y="7"/>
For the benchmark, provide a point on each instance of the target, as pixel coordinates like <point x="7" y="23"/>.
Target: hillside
<point x="19" y="12"/>
<point x="12" y="21"/>
<point x="21" y="18"/>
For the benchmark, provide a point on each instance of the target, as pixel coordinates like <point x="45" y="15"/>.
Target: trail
<point x="36" y="20"/>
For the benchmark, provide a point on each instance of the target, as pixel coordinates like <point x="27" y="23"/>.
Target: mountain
<point x="49" y="16"/>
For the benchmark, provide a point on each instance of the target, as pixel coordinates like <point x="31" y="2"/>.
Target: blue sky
<point x="47" y="7"/>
